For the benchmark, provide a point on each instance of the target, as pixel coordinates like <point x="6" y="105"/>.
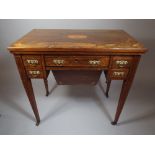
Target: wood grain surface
<point x="77" y="40"/>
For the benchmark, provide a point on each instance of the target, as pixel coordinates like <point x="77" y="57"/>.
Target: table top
<point x="77" y="40"/>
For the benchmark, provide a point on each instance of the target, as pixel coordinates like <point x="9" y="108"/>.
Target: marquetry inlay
<point x="77" y="36"/>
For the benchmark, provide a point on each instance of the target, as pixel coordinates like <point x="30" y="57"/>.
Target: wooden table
<point x="77" y="57"/>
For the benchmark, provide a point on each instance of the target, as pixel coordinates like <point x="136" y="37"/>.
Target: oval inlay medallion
<point x="77" y="36"/>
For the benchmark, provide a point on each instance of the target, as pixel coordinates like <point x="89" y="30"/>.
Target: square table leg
<point x="46" y="86"/>
<point x="28" y="87"/>
<point x="126" y="88"/>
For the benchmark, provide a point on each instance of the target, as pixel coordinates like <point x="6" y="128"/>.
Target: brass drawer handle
<point x="58" y="62"/>
<point x="94" y="62"/>
<point x="32" y="61"/>
<point x="34" y="72"/>
<point x="118" y="73"/>
<point x="121" y="63"/>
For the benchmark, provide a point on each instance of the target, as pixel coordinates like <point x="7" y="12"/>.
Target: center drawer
<point x="77" y="61"/>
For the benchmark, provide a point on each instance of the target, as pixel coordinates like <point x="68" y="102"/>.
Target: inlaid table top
<point x="76" y="40"/>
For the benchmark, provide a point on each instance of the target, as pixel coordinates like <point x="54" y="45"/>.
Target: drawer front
<point x="121" y="62"/>
<point x="118" y="74"/>
<point x="35" y="74"/>
<point x="32" y="61"/>
<point x="88" y="61"/>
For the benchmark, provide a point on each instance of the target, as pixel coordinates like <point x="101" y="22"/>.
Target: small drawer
<point x="121" y="62"/>
<point x="35" y="74"/>
<point x="118" y="74"/>
<point x="32" y="61"/>
<point x="78" y="61"/>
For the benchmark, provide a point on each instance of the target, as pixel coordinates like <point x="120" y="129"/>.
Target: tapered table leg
<point x="125" y="89"/>
<point x="46" y="86"/>
<point x="108" y="82"/>
<point x="108" y="87"/>
<point x="28" y="87"/>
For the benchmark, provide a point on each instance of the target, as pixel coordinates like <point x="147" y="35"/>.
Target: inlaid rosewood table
<point x="77" y="57"/>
